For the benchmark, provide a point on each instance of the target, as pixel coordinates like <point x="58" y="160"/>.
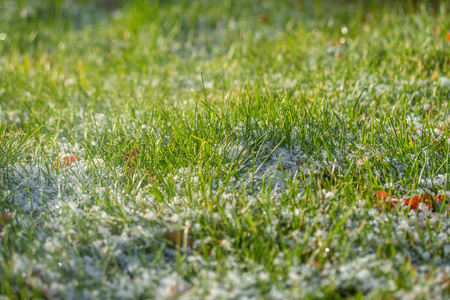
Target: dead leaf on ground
<point x="385" y="200"/>
<point x="4" y="219"/>
<point x="67" y="160"/>
<point x="131" y="160"/>
<point x="265" y="18"/>
<point x="414" y="202"/>
<point x="178" y="238"/>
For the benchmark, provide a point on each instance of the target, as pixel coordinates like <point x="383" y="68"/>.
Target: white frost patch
<point x="440" y="180"/>
<point x="171" y="286"/>
<point x="445" y="81"/>
<point x="33" y="187"/>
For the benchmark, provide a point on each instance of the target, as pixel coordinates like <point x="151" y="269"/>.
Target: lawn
<point x="224" y="149"/>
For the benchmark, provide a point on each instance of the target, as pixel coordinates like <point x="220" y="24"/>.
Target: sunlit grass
<point x="199" y="149"/>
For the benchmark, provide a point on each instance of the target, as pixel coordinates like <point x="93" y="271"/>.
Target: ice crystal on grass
<point x="171" y="286"/>
<point x="358" y="270"/>
<point x="31" y="187"/>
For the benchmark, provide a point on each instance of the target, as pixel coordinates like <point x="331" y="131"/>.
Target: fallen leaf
<point x="4" y="219"/>
<point x="67" y="160"/>
<point x="382" y="195"/>
<point x="178" y="239"/>
<point x="131" y="159"/>
<point x="414" y="202"/>
<point x="265" y="18"/>
<point x="440" y="198"/>
<point x="385" y="200"/>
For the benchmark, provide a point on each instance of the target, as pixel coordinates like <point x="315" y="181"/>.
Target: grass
<point x="223" y="150"/>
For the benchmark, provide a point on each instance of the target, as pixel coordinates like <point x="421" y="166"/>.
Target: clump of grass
<point x="223" y="150"/>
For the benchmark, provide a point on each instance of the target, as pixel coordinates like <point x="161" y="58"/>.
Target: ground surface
<point x="202" y="150"/>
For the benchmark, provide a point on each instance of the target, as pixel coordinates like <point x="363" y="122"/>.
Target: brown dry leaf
<point x="178" y="239"/>
<point x="4" y="219"/>
<point x="265" y="18"/>
<point x="131" y="159"/>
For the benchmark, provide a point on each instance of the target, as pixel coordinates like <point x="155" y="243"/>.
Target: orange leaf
<point x="385" y="200"/>
<point x="67" y="160"/>
<point x="382" y="195"/>
<point x="440" y="198"/>
<point x="416" y="200"/>
<point x="447" y="36"/>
